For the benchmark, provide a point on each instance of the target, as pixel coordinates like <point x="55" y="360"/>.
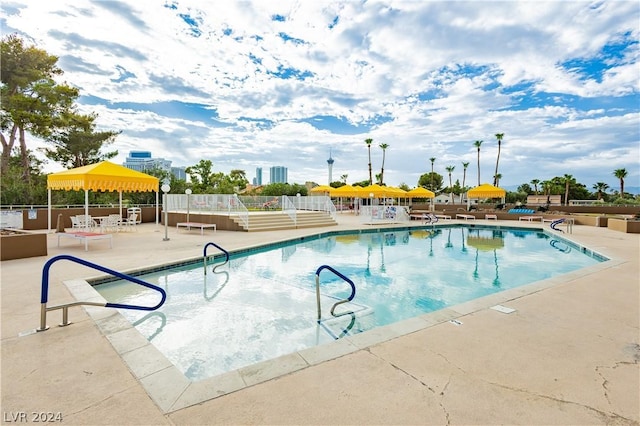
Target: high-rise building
<point x="330" y="164"/>
<point x="142" y="161"/>
<point x="278" y="174"/>
<point x="258" y="179"/>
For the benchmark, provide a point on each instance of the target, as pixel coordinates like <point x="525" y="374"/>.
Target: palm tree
<point x="496" y="179"/>
<point x="477" y="145"/>
<point x="499" y="137"/>
<point x="621" y="174"/>
<point x="568" y="179"/>
<point x="535" y="183"/>
<point x="464" y="177"/>
<point x="384" y="147"/>
<point x="369" y="142"/>
<point x="433" y="160"/>
<point x="600" y="188"/>
<point x="450" y="170"/>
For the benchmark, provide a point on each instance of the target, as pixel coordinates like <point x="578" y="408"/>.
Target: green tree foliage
<point x="526" y="188"/>
<point x="201" y="176"/>
<point x="30" y="98"/>
<point x="277" y="189"/>
<point x="621" y="174"/>
<point x="15" y="190"/>
<point x="76" y="143"/>
<point x="432" y="181"/>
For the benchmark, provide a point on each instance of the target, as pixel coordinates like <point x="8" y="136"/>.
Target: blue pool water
<point x="262" y="304"/>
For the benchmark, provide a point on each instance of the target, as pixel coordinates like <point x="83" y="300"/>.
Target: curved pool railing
<point x="204" y="256"/>
<point x="44" y="294"/>
<point x="349" y="299"/>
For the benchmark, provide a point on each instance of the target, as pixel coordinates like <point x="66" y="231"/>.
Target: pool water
<point x="262" y="304"/>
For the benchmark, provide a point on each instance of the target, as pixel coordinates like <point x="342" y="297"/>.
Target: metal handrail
<point x="204" y="256"/>
<point x="44" y="295"/>
<point x="349" y="299"/>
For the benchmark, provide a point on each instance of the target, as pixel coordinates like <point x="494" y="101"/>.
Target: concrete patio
<point x="569" y="354"/>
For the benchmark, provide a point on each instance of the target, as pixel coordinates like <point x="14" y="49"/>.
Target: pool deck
<point x="568" y="354"/>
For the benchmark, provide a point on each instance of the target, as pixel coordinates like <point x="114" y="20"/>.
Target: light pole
<point x="165" y="188"/>
<point x="371" y="205"/>
<point x="188" y="192"/>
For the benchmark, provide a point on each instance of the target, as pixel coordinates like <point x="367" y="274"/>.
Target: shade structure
<point x="379" y="191"/>
<point x="420" y="192"/>
<point x="486" y="191"/>
<point x="103" y="176"/>
<point x="321" y="189"/>
<point x="347" y="191"/>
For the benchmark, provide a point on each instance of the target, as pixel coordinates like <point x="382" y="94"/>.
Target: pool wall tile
<point x="206" y="389"/>
<point x="127" y="340"/>
<point x="146" y="360"/>
<point x="267" y="370"/>
<point x="165" y="387"/>
<point x="327" y="351"/>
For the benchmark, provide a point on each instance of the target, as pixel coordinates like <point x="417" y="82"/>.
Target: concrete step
<point x="278" y="220"/>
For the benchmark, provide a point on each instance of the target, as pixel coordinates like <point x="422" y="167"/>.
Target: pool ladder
<point x="204" y="256"/>
<point x="44" y="294"/>
<point x="348" y="299"/>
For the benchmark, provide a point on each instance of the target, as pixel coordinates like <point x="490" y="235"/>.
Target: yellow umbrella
<point x="420" y="192"/>
<point x="486" y="191"/>
<point x="321" y="189"/>
<point x="347" y="191"/>
<point x="378" y="191"/>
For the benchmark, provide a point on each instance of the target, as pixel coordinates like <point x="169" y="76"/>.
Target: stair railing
<point x="44" y="294"/>
<point x="348" y="299"/>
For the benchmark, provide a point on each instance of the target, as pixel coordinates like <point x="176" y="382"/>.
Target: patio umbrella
<point x="321" y="189"/>
<point x="485" y="191"/>
<point x="420" y="192"/>
<point x="103" y="176"/>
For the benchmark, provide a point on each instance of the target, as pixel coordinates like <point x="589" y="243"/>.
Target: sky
<point x="250" y="84"/>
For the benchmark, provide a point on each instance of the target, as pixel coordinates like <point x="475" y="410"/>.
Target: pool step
<point x="270" y="221"/>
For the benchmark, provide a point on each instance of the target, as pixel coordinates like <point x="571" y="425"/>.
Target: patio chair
<point x="131" y="221"/>
<point x="112" y="223"/>
<point x="86" y="221"/>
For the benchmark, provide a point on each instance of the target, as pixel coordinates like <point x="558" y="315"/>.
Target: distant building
<point x="330" y="162"/>
<point x="142" y="161"/>
<point x="278" y="174"/>
<point x="258" y="179"/>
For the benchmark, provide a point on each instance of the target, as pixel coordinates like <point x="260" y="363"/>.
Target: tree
<point x="499" y="137"/>
<point x="369" y="141"/>
<point x="450" y="170"/>
<point x="496" y="179"/>
<point x="343" y="178"/>
<point x="621" y="174"/>
<point x="431" y="181"/>
<point x="568" y="180"/>
<point x="201" y="176"/>
<point x="15" y="190"/>
<point x="76" y="143"/>
<point x="465" y="164"/>
<point x="477" y="145"/>
<point x="30" y="98"/>
<point x="433" y="160"/>
<point x="535" y="183"/>
<point x="601" y="189"/>
<point x="384" y="147"/>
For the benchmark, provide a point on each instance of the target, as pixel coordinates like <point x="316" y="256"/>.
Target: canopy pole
<point x="86" y="209"/>
<point x="49" y="210"/>
<point x="157" y="209"/>
<point x="120" y="203"/>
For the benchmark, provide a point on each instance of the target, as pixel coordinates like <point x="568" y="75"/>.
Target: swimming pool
<point x="263" y="303"/>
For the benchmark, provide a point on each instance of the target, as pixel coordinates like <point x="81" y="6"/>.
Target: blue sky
<point x="281" y="83"/>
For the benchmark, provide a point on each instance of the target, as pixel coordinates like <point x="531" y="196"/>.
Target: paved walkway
<point x="569" y="354"/>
